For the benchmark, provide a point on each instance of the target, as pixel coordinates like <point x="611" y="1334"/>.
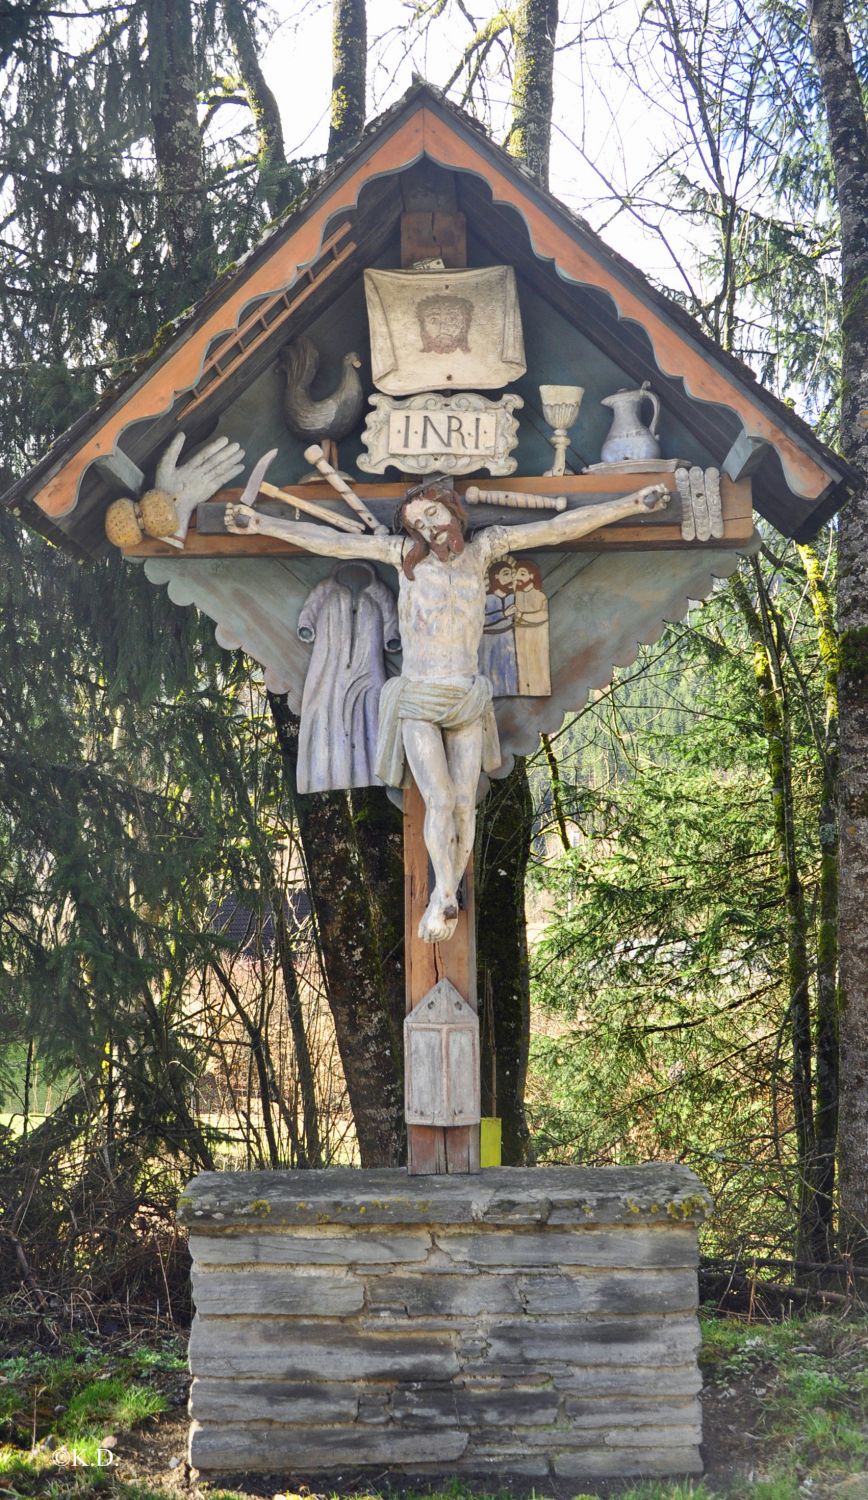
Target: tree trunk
<point x="178" y="143"/>
<point x="534" y="28"/>
<point x="349" y="925"/>
<point x="503" y="846"/>
<point x="274" y="172"/>
<point x="773" y="708"/>
<point x="557" y="787"/>
<point x="848" y="140"/>
<point x="349" y="74"/>
<point x="506" y="815"/>
<point x="310" y="1147"/>
<point x="380" y="837"/>
<point x="827" y="1038"/>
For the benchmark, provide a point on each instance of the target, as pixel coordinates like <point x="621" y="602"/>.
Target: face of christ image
<point x="444" y="324"/>
<point x="526" y="578"/>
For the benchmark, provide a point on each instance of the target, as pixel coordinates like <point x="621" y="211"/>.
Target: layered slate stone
<point x="520" y="1323"/>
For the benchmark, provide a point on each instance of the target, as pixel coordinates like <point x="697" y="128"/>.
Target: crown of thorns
<point x="441" y="484"/>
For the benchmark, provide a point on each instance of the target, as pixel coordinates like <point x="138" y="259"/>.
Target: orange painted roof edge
<point x="424" y="123"/>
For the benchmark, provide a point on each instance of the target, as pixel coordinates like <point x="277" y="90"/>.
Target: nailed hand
<point x="241" y="519"/>
<point x="654" y="497"/>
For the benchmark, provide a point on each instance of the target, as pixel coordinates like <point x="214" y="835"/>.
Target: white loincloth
<point x="432" y="703"/>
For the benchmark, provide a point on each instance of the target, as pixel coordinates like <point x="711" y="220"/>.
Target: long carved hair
<point x="421" y="546"/>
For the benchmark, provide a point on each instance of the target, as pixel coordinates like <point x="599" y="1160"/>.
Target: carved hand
<point x="654" y="497"/>
<point x="242" y="519"/>
<point x="200" y="477"/>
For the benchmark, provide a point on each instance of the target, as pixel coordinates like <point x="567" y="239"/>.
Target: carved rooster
<point x="330" y="418"/>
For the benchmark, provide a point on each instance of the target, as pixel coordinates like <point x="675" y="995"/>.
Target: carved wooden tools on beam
<point x="701" y="510"/>
<point x="315" y="456"/>
<point x="256" y="486"/>
<point x="343" y="523"/>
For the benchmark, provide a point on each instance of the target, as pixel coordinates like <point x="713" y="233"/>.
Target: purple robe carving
<point x="351" y="620"/>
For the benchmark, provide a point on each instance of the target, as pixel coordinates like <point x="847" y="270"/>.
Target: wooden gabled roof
<point x="308" y="258"/>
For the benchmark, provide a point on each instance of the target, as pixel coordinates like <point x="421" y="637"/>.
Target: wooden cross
<point x="436" y="1148"/>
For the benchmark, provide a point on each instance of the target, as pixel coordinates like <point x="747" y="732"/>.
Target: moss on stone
<point x="692" y="1207"/>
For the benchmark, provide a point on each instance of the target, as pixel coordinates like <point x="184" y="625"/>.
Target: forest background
<point x="175" y="992"/>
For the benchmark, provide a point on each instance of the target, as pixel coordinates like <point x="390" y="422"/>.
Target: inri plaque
<point x="441" y="434"/>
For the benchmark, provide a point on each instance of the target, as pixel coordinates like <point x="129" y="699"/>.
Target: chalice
<point x="560" y="404"/>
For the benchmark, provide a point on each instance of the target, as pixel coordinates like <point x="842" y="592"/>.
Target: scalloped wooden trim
<point x="181" y="370"/>
<point x="426" y="133"/>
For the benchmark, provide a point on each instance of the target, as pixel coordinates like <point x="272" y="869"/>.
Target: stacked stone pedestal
<point x="520" y="1324"/>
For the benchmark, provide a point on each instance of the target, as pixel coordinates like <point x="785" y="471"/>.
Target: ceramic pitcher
<point x="629" y="437"/>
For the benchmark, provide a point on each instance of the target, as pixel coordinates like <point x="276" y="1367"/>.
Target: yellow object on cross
<point x="490" y="1134"/>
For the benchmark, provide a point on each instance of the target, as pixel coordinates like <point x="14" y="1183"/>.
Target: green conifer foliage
<point x="683" y="964"/>
<point x="135" y="796"/>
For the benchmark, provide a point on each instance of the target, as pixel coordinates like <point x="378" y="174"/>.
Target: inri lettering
<point x="429" y="425"/>
<point x="454" y="436"/>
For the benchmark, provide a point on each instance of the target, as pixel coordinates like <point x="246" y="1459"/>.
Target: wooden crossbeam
<point x="653" y="530"/>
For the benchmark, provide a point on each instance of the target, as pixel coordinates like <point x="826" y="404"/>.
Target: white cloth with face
<point x="444" y="330"/>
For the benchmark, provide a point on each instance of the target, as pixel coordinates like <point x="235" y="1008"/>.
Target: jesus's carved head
<point x="434" y="520"/>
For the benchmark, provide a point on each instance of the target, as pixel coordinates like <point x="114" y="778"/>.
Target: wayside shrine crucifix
<point x="498" y="460"/>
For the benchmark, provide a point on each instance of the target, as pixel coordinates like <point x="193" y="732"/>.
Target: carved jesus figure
<point x="437" y="718"/>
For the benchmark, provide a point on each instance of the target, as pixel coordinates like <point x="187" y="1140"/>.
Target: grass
<point x="809" y="1379"/>
<point x="57" y="1409"/>
<point x="38" y="1475"/>
<point x="109" y="1405"/>
<point x="83" y="1393"/>
<point x="799" y="1390"/>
